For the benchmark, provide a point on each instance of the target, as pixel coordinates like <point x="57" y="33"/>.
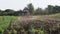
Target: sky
<point x="20" y="4"/>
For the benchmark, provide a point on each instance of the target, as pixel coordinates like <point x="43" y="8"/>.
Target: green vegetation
<point x="37" y="31"/>
<point x="31" y="8"/>
<point x="50" y="9"/>
<point x="57" y="14"/>
<point x="5" y="21"/>
<point x="40" y="24"/>
<point x="42" y="21"/>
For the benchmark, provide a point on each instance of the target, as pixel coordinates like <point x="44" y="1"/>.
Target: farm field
<point x="43" y="24"/>
<point x="40" y="24"/>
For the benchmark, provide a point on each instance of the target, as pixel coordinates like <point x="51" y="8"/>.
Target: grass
<point x="57" y="14"/>
<point x="5" y="21"/>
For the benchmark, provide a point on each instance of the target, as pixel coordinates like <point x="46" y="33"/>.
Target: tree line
<point x="39" y="11"/>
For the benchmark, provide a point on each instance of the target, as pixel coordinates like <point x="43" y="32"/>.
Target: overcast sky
<point x="20" y="4"/>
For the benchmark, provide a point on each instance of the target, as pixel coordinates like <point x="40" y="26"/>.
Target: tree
<point x="9" y="12"/>
<point x="19" y="12"/>
<point x="50" y="9"/>
<point x="1" y="12"/>
<point x="38" y="11"/>
<point x="46" y="12"/>
<point x="31" y="8"/>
